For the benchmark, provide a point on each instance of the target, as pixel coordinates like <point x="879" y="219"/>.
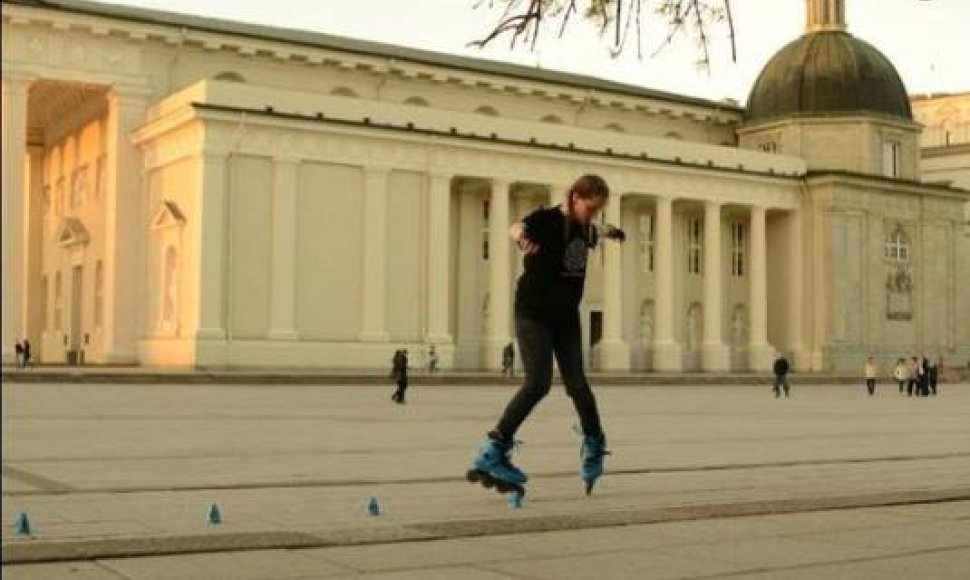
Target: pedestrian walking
<point x="432" y="360"/>
<point x="28" y="361"/>
<point x="18" y="350"/>
<point x="871" y="374"/>
<point x="901" y="374"/>
<point x="911" y="385"/>
<point x="508" y="360"/>
<point x="400" y="374"/>
<point x="781" y="368"/>
<point x="933" y="372"/>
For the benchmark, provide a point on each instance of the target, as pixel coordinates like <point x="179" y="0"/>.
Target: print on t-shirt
<point x="574" y="258"/>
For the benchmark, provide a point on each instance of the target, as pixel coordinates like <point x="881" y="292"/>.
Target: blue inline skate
<point x="591" y="456"/>
<point x="493" y="468"/>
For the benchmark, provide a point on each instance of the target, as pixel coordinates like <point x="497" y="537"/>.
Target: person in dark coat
<point x="27" y="361"/>
<point x="933" y="372"/>
<point x="400" y="375"/>
<point x="780" y="369"/>
<point x="924" y="378"/>
<point x="19" y="352"/>
<point x="508" y="360"/>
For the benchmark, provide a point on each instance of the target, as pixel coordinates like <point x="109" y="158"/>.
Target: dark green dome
<point x="828" y="74"/>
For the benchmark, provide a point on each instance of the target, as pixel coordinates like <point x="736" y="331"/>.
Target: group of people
<point x="22" y="352"/>
<point x="919" y="376"/>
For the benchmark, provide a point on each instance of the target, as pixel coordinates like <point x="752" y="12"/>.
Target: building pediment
<point x="168" y="216"/>
<point x="72" y="232"/>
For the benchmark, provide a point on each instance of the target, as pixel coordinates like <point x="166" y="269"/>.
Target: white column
<point x="614" y="352"/>
<point x="375" y="254"/>
<point x="714" y="352"/>
<point x="439" y="251"/>
<point x="211" y="234"/>
<point x="760" y="353"/>
<point x="283" y="290"/>
<point x="124" y="261"/>
<point x="499" y="312"/>
<point x="14" y="120"/>
<point x="666" y="351"/>
<point x="796" y="310"/>
<point x="33" y="322"/>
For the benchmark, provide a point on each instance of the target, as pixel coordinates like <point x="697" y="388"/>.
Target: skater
<point x="508" y="360"/>
<point x="780" y="369"/>
<point x="432" y="360"/>
<point x="27" y="361"/>
<point x="871" y="373"/>
<point x="933" y="374"/>
<point x="400" y="375"/>
<point x="556" y="242"/>
<point x="901" y="374"/>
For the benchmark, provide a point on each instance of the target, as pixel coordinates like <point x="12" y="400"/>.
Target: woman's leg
<point x="535" y="343"/>
<point x="567" y="343"/>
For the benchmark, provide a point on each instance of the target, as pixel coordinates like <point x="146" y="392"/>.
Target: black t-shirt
<point x="554" y="277"/>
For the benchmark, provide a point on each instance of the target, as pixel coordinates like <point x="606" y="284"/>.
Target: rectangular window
<point x="695" y="233"/>
<point x="485" y="230"/>
<point x="646" y="242"/>
<point x="891" y="158"/>
<point x="738" y="233"/>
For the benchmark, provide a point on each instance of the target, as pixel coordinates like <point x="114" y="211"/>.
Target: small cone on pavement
<point x="214" y="515"/>
<point x="23" y="525"/>
<point x="373" y="508"/>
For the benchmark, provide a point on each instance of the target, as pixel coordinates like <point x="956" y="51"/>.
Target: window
<point x="487" y="110"/>
<point x="485" y="207"/>
<point x="615" y="127"/>
<point x="891" y="158"/>
<point x="58" y="302"/>
<point x="551" y="119"/>
<point x="695" y="231"/>
<point x="768" y="146"/>
<point x="738" y="232"/>
<point x="673" y="135"/>
<point x="44" y="289"/>
<point x="79" y="186"/>
<point x="417" y="101"/>
<point x="98" y="294"/>
<point x="646" y="242"/>
<point x="897" y="247"/>
<point x="101" y="176"/>
<point x="169" y="286"/>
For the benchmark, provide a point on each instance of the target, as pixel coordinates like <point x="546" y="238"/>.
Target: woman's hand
<point x="527" y="245"/>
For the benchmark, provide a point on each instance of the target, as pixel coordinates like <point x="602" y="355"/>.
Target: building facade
<point x="180" y="191"/>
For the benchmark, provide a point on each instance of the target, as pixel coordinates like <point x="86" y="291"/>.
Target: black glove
<point x="614" y="233"/>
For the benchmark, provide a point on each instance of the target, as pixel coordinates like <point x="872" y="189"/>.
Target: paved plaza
<point x="704" y="482"/>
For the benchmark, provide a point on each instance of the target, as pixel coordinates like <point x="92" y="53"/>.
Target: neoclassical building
<point x="181" y="191"/>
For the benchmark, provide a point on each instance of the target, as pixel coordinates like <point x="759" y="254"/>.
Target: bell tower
<point x="825" y="15"/>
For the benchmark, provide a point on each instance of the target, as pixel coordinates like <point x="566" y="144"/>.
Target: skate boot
<point x="591" y="455"/>
<point x="493" y="468"/>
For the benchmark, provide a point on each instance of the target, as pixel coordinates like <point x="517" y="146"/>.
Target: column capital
<point x="15" y="80"/>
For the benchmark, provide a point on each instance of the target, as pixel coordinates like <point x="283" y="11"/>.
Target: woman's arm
<point x="518" y="233"/>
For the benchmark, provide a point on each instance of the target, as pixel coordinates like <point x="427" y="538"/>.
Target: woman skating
<point x="556" y="243"/>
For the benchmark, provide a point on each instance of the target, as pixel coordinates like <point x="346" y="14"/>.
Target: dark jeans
<point x="781" y="382"/>
<point x="539" y="340"/>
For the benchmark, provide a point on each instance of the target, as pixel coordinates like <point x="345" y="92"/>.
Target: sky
<point x="927" y="40"/>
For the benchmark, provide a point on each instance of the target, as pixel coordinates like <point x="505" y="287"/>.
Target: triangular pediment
<point x="72" y="233"/>
<point x="168" y="216"/>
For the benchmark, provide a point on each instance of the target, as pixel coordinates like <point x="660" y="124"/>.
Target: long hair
<point x="588" y="186"/>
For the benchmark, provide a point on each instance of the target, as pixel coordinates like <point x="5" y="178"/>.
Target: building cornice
<point x="865" y="181"/>
<point x="315" y="49"/>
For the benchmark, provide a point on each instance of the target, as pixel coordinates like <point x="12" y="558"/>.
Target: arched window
<point x="231" y="76"/>
<point x="615" y="127"/>
<point x="98" y="294"/>
<point x="487" y="110"/>
<point x="897" y="246"/>
<point x="768" y="146"/>
<point x="417" y="102"/>
<point x="169" y="286"/>
<point x="343" y="92"/>
<point x="551" y="119"/>
<point x="58" y="301"/>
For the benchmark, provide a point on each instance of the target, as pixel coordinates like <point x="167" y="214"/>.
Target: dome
<point x="828" y="73"/>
